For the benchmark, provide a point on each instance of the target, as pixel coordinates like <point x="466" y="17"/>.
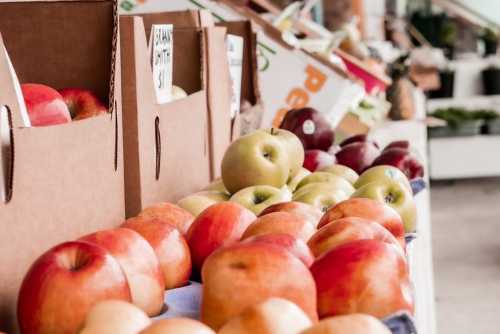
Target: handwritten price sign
<point x="161" y="45"/>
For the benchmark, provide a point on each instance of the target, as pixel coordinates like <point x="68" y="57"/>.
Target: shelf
<point x="420" y="250"/>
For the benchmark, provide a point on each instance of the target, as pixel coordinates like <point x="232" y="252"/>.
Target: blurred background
<point x="448" y="50"/>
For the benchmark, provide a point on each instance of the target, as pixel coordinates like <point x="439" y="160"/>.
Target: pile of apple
<point x="357" y="152"/>
<point x="47" y="106"/>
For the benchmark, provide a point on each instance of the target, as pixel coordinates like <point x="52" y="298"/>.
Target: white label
<point x="235" y="58"/>
<point x="4" y="151"/>
<point x="161" y="48"/>
<point x="308" y="127"/>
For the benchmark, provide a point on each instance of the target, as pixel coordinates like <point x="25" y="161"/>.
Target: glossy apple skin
<point x="303" y="210"/>
<point x="220" y="225"/>
<point x="404" y="144"/>
<point x="171" y="214"/>
<point x="45" y="105"/>
<point x="139" y="263"/>
<point x="324" y="177"/>
<point x="382" y="173"/>
<point x="368" y="209"/>
<point x="364" y="276"/>
<point x="349" y="324"/>
<point x="358" y="156"/>
<point x="345" y="230"/>
<point x="170" y="248"/>
<point x="362" y="138"/>
<point x="292" y="244"/>
<point x="320" y="195"/>
<point x="258" y="158"/>
<point x="294" y="148"/>
<point x="198" y="202"/>
<point x="274" y="316"/>
<point x="404" y="160"/>
<point x="394" y="194"/>
<point x="280" y="222"/>
<point x="177" y="326"/>
<point x="342" y="171"/>
<point x="239" y="276"/>
<point x="63" y="284"/>
<point x="258" y="198"/>
<point x="115" y="316"/>
<point x="312" y="128"/>
<point x="317" y="159"/>
<point x="82" y="103"/>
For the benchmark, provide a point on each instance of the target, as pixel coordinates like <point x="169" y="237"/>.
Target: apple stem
<point x="273" y="131"/>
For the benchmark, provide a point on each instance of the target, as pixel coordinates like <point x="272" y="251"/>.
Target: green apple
<point x="216" y="185"/>
<point x="258" y="198"/>
<point x="197" y="203"/>
<point x="293" y="146"/>
<point x="294" y="181"/>
<point x="383" y="173"/>
<point x="342" y="171"/>
<point x="258" y="158"/>
<point x="324" y="177"/>
<point x="320" y="195"/>
<point x="394" y="194"/>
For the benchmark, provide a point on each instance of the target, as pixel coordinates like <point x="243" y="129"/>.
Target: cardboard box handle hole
<point x="157" y="147"/>
<point x="6" y="154"/>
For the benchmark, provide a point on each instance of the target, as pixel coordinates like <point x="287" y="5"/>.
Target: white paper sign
<point x="161" y="48"/>
<point x="235" y="58"/>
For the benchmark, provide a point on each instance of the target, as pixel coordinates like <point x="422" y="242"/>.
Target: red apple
<point x="367" y="209"/>
<point x="170" y="247"/>
<point x="245" y="274"/>
<point x="82" y="103"/>
<point x="292" y="244"/>
<point x="177" y="326"/>
<point x="404" y="144"/>
<point x="171" y="214"/>
<point x="139" y="263"/>
<point x="64" y="284"/>
<point x="45" y="105"/>
<point x="358" y="156"/>
<point x="362" y="138"/>
<point x="220" y="225"/>
<point x="280" y="222"/>
<point x="364" y="276"/>
<point x="303" y="210"/>
<point x="403" y="159"/>
<point x="317" y="159"/>
<point x="345" y="230"/>
<point x="312" y="128"/>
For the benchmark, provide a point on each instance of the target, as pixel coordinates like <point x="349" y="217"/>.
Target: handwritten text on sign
<point x="161" y="45"/>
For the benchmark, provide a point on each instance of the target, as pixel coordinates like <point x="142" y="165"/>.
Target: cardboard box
<point x="166" y="146"/>
<point x="289" y="78"/>
<point x="252" y="110"/>
<point x="67" y="180"/>
<point x="216" y="76"/>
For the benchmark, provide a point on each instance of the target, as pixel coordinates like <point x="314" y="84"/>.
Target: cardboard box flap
<point x="250" y="88"/>
<point x="71" y="37"/>
<point x="166" y="146"/>
<point x="219" y="96"/>
<point x="180" y="19"/>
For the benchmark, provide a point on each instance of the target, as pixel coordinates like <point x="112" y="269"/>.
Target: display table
<point x="420" y="250"/>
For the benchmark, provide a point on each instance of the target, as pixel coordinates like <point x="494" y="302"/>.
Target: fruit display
<point x="47" y="106"/>
<point x="267" y="263"/>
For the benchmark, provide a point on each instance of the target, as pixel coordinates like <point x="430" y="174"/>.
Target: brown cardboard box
<point x="167" y="147"/>
<point x="216" y="74"/>
<point x="252" y="107"/>
<point x="67" y="180"/>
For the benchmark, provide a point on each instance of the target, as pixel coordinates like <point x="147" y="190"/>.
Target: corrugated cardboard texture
<point x="64" y="179"/>
<point x="170" y="140"/>
<point x="217" y="79"/>
<point x="251" y="117"/>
